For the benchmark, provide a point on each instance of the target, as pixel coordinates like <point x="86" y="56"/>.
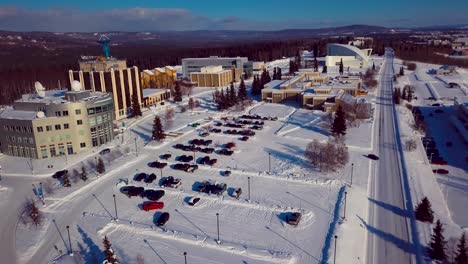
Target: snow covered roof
<point x="152" y="91"/>
<point x="11" y="113"/>
<point x="274" y="84"/>
<point x="149" y="72"/>
<point x="170" y="68"/>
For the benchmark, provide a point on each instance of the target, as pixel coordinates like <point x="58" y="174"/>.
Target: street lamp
<point x="334" y="256"/>
<point x="352" y="170"/>
<point x="115" y="207"/>
<point x="269" y="162"/>
<point x="136" y="147"/>
<point x="217" y="222"/>
<point x="69" y="239"/>
<point x="185" y="257"/>
<point x="248" y="181"/>
<point x="344" y="212"/>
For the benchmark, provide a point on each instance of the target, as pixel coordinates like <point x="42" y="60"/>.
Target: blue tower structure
<point x="104" y="41"/>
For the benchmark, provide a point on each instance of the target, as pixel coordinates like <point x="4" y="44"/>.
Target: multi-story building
<point x="350" y="56"/>
<point x="190" y="65"/>
<point x="214" y="76"/>
<point x="159" y="77"/>
<point x="55" y="123"/>
<point x="112" y="76"/>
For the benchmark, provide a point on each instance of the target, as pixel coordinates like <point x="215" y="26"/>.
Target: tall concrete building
<point x="56" y="122"/>
<point x="110" y="75"/>
<point x="190" y="65"/>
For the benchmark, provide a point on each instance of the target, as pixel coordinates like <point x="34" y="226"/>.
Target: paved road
<point x="388" y="232"/>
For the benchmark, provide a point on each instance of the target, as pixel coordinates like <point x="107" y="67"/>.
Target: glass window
<point x="25" y="140"/>
<point x="82" y="145"/>
<point x="40" y="129"/>
<point x="69" y="149"/>
<point x="49" y="128"/>
<point x="98" y="109"/>
<point x="90" y="111"/>
<point x="43" y="152"/>
<point x="31" y="140"/>
<point x="58" y="113"/>
<point x="95" y="143"/>
<point x="78" y="111"/>
<point x="92" y="121"/>
<point x="79" y="122"/>
<point x="61" y="150"/>
<point x="52" y="151"/>
<point x="99" y="119"/>
<point x="20" y="140"/>
<point x="65" y="113"/>
<point x="58" y="127"/>
<point x="93" y="129"/>
<point x="66" y="126"/>
<point x="13" y="139"/>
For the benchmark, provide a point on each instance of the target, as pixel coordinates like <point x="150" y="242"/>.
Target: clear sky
<point x="143" y="15"/>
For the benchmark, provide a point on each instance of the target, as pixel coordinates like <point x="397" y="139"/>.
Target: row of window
<point x="20" y="129"/>
<point x="99" y="109"/>
<point x="58" y="126"/>
<point x="61" y="150"/>
<point x="26" y="140"/>
<point x="65" y="113"/>
<point x="21" y="151"/>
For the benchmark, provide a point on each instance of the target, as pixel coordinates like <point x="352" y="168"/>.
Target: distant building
<point x="215" y="76"/>
<point x="350" y="55"/>
<point x="163" y="77"/>
<point x="98" y="75"/>
<point x="252" y="68"/>
<point x="190" y="65"/>
<point x="459" y="118"/>
<point x="443" y="70"/>
<point x="56" y="123"/>
<point x="153" y="96"/>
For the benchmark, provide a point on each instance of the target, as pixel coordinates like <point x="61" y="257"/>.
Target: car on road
<point x="140" y="176"/>
<point x="171" y="182"/>
<point x="293" y="218"/>
<point x="153" y="195"/>
<point x="104" y="151"/>
<point x="166" y="156"/>
<point x="152" y="205"/>
<point x="59" y="174"/>
<point x="441" y="171"/>
<point x="158" y="165"/>
<point x="373" y="157"/>
<point x="163" y="218"/>
<point x="150" y="178"/>
<point x="193" y="201"/>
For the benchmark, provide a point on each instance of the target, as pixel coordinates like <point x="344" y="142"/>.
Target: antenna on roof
<point x="40" y="90"/>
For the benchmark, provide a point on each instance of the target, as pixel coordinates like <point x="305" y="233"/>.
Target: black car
<point x="104" y="151"/>
<point x="373" y="157"/>
<point x="150" y="178"/>
<point x="153" y="195"/>
<point x="163" y="218"/>
<point x="185" y="158"/>
<point x="157" y="164"/>
<point x="171" y="182"/>
<point x="140" y="176"/>
<point x="132" y="190"/>
<point x="181" y="166"/>
<point x="202" y="186"/>
<point x="166" y="156"/>
<point x="219" y="189"/>
<point x="59" y="174"/>
<point x="178" y="146"/>
<point x="204" y="160"/>
<point x="226" y="152"/>
<point x="226" y="173"/>
<point x="207" y="150"/>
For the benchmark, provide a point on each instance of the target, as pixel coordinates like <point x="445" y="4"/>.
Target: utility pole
<point x="344" y="213"/>
<point x="269" y="162"/>
<point x="185" y="257"/>
<point x="115" y="207"/>
<point x="217" y="222"/>
<point x="248" y="181"/>
<point x="352" y="171"/>
<point x="122" y="136"/>
<point x="334" y="256"/>
<point x="136" y="147"/>
<point x="69" y="240"/>
<point x="160" y="171"/>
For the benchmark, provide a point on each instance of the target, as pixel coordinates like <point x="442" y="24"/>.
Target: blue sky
<point x="87" y="15"/>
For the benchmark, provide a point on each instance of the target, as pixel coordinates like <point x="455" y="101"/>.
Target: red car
<point x="151" y="205"/>
<point x="230" y="145"/>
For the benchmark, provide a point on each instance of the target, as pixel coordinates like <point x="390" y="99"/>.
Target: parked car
<point x="230" y="145"/>
<point x="256" y="127"/>
<point x="140" y="176"/>
<point x="171" y="182"/>
<point x="440" y="171"/>
<point x="150" y="178"/>
<point x="153" y="195"/>
<point x="293" y="218"/>
<point x="59" y="174"/>
<point x="152" y="205"/>
<point x="166" y="156"/>
<point x="215" y="130"/>
<point x="373" y="157"/>
<point x="227" y="173"/>
<point x="178" y="146"/>
<point x="219" y="189"/>
<point x="163" y="218"/>
<point x="104" y="151"/>
<point x="207" y="150"/>
<point x="192" y="168"/>
<point x="204" y="160"/>
<point x="202" y="186"/>
<point x="244" y="138"/>
<point x="157" y="164"/>
<point x="237" y="193"/>
<point x="204" y="134"/>
<point x="226" y="152"/>
<point x="212" y="162"/>
<point x="185" y="158"/>
<point x="181" y="166"/>
<point x="193" y="201"/>
<point x="132" y="191"/>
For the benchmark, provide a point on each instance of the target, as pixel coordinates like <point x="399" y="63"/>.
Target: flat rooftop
<point x="55" y="97"/>
<point x="10" y="113"/>
<point x="151" y="91"/>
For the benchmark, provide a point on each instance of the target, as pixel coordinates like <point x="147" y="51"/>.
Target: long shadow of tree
<point x="91" y="252"/>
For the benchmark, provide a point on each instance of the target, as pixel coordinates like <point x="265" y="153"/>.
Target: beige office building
<point x="56" y="123"/>
<point x="215" y="76"/>
<point x="111" y="76"/>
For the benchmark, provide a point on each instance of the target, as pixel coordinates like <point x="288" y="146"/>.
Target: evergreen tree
<point x="402" y="71"/>
<point x="177" y="92"/>
<point x="278" y="74"/>
<point x="292" y="67"/>
<point x="267" y="77"/>
<point x="242" y="91"/>
<point x="274" y="73"/>
<point x="136" y="108"/>
<point x="423" y="211"/>
<point x="256" y="85"/>
<point x="461" y="257"/>
<point x="324" y="69"/>
<point x="100" y="166"/>
<point x="316" y="65"/>
<point x="66" y="180"/>
<point x="341" y="70"/>
<point x="109" y="252"/>
<point x="437" y="243"/>
<point x="83" y="174"/>
<point x="158" y="132"/>
<point x="315" y="51"/>
<point x="222" y="100"/>
<point x="339" y="123"/>
<point x="232" y="95"/>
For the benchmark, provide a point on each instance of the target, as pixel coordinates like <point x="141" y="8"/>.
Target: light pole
<point x="160" y="171"/>
<point x="32" y="166"/>
<point x="136" y="147"/>
<point x="115" y="207"/>
<point x="344" y="212"/>
<point x="352" y="171"/>
<point x="334" y="255"/>
<point x="269" y="162"/>
<point x="185" y="257"/>
<point x="217" y="223"/>
<point x="248" y="181"/>
<point x="69" y="239"/>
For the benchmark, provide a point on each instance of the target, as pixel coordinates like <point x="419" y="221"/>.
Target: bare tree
<point x="74" y="176"/>
<point x="329" y="156"/>
<point x="33" y="212"/>
<point x="168" y="117"/>
<point x="191" y="104"/>
<point x="410" y="144"/>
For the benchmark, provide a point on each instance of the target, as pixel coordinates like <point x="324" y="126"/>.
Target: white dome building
<point x="351" y="56"/>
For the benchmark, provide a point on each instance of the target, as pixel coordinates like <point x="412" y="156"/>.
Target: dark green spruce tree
<point x="158" y="132"/>
<point x="242" y="91"/>
<point x="423" y="211"/>
<point x="232" y="95"/>
<point x="177" y="92"/>
<point x="100" y="168"/>
<point x="341" y="69"/>
<point x="136" y="108"/>
<point x="461" y="257"/>
<point x="437" y="244"/>
<point x="339" y="123"/>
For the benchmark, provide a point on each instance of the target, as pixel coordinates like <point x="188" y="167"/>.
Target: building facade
<point x="121" y="82"/>
<point x="58" y="123"/>
<point x="190" y="65"/>
<point x="215" y="76"/>
<point x="163" y="77"/>
<point x="350" y="55"/>
<point x="152" y="96"/>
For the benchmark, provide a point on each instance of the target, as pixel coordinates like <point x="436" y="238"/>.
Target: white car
<point x="194" y="200"/>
